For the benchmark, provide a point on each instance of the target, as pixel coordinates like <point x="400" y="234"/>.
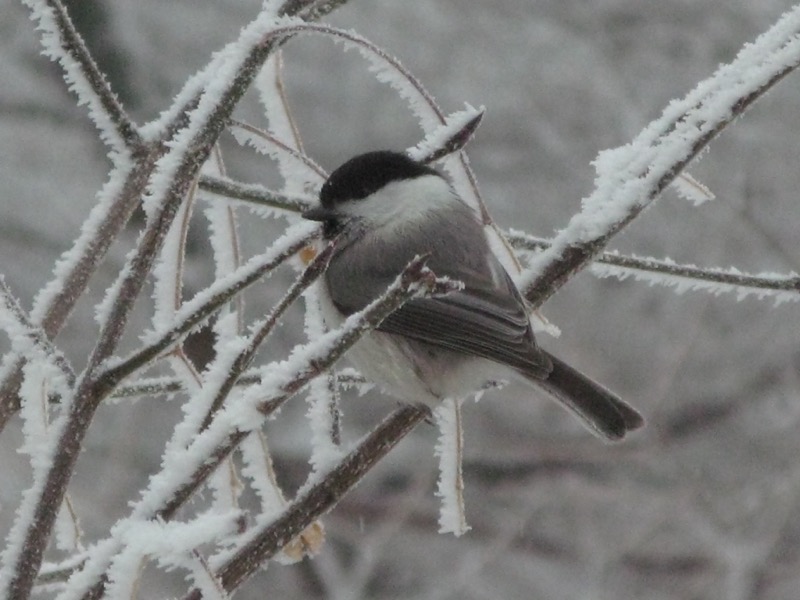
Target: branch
<point x="245" y="357"/>
<point x="236" y="66"/>
<point x="19" y="326"/>
<point x="266" y="540"/>
<point x="184" y="472"/>
<point x="206" y="303"/>
<point x="680" y="276"/>
<point x="151" y="386"/>
<point x="630" y="178"/>
<point x="63" y="44"/>
<point x="450" y="137"/>
<point x="253" y="193"/>
<point x="780" y="286"/>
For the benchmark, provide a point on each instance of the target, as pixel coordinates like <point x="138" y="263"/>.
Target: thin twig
<point x="295" y="153"/>
<point x="72" y="45"/>
<point x="253" y="271"/>
<point x="245" y="357"/>
<point x="35" y="334"/>
<point x="253" y="193"/>
<point x="769" y="283"/>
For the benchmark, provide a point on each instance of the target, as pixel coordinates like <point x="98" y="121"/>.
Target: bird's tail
<point x="600" y="410"/>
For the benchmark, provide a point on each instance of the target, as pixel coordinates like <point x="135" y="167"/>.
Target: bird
<point x="383" y="209"/>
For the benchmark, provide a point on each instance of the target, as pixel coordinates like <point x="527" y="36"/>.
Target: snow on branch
<point x="254" y="193"/>
<point x="266" y="539"/>
<point x="450" y="450"/>
<point x="680" y="277"/>
<point x="206" y="302"/>
<point x="457" y="129"/>
<point x="169" y="179"/>
<point x="632" y="176"/>
<point x="184" y="471"/>
<point x="63" y="44"/>
<point x="27" y="337"/>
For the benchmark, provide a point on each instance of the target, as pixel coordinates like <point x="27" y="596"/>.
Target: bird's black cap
<point x="366" y="173"/>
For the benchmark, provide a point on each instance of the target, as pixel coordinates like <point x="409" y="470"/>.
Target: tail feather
<point x="602" y="411"/>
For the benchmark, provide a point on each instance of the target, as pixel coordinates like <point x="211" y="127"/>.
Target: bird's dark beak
<point x="320" y="213"/>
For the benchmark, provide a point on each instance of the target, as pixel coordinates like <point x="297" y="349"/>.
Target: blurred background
<point x="704" y="503"/>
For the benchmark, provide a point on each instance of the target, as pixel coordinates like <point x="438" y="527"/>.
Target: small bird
<point x="385" y="209"/>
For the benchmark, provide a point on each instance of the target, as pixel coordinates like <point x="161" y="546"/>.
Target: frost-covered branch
<point x="186" y="469"/>
<point x="781" y="287"/>
<point x="452" y="136"/>
<point x="20" y="330"/>
<point x="633" y="176"/>
<point x="245" y="356"/>
<point x="253" y="193"/>
<point x="125" y="187"/>
<point x="207" y="302"/>
<point x="267" y="539"/>
<point x="153" y="386"/>
<point x="63" y="44"/>
<point x="168" y="181"/>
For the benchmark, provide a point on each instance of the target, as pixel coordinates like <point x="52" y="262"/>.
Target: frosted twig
<point x="153" y="386"/>
<point x="264" y="541"/>
<point x="254" y="193"/>
<point x="207" y="302"/>
<point x="63" y="44"/>
<point x="254" y="133"/>
<point x="20" y="325"/>
<point x="669" y="273"/>
<point x="450" y="450"/>
<point x="631" y="177"/>
<point x="190" y="148"/>
<point x="310" y="10"/>
<point x="451" y="137"/>
<point x="185" y="472"/>
<point x="245" y="357"/>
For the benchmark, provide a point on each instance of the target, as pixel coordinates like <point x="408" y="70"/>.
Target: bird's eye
<point x="331" y="228"/>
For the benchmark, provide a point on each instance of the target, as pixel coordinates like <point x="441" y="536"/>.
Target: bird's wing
<point x="480" y="322"/>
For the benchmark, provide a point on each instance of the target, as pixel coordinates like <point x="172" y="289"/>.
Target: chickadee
<point x="386" y="209"/>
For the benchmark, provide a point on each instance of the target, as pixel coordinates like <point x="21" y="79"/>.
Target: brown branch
<point x="269" y="539"/>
